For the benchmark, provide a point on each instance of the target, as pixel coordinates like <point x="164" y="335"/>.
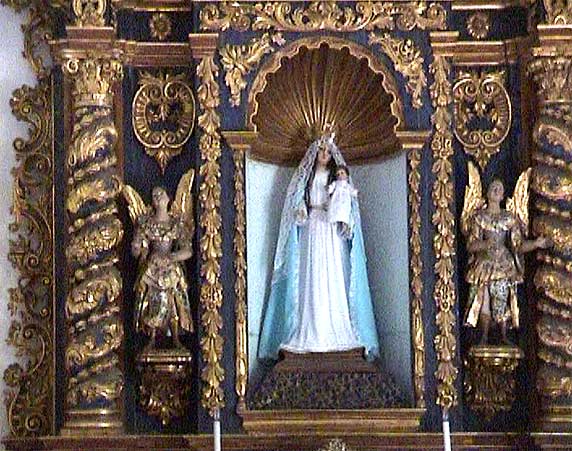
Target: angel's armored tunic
<point x="162" y="287"/>
<point x="495" y="272"/>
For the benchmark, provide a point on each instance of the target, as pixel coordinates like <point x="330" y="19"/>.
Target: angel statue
<point x="162" y="242"/>
<point x="496" y="240"/>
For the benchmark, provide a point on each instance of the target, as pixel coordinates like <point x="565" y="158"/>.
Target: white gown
<point x="323" y="314"/>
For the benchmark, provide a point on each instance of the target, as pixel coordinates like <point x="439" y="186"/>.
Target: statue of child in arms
<point x="341" y="194"/>
<point x="496" y="242"/>
<point x="162" y="241"/>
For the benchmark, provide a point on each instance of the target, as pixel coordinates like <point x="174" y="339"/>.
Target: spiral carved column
<point x="94" y="231"/>
<point x="552" y="183"/>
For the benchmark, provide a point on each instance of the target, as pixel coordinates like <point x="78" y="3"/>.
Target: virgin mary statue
<point x="319" y="297"/>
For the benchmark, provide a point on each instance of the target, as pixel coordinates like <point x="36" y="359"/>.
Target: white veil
<point x="295" y="198"/>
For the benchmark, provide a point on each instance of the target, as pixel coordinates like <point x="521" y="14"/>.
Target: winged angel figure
<point x="496" y="240"/>
<point x="162" y="242"/>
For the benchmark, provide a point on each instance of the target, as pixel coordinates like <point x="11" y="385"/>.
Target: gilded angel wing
<point x="137" y="207"/>
<point x="518" y="203"/>
<point x="183" y="203"/>
<point x="473" y="198"/>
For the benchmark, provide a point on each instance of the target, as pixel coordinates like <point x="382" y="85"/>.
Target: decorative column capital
<point x="553" y="76"/>
<point x="94" y="77"/>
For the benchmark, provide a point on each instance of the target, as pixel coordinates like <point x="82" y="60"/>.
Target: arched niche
<point x="288" y="107"/>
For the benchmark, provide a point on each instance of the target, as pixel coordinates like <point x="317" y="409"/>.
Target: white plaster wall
<point x="14" y="71"/>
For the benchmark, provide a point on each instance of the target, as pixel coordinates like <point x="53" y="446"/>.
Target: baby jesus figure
<point x="341" y="192"/>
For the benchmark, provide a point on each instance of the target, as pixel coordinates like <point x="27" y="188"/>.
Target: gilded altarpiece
<point x="219" y="101"/>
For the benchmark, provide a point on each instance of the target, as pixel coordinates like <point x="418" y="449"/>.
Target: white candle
<point x="446" y="431"/>
<point x="216" y="431"/>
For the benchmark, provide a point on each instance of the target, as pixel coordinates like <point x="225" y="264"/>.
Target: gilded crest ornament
<point x="483" y="113"/>
<point x="163" y="115"/>
<point x="323" y="15"/>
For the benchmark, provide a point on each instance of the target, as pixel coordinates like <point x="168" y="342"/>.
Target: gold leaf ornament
<point x="482" y="98"/>
<point x="407" y="60"/>
<point x="479" y="25"/>
<point x="212" y="374"/>
<point x="444" y="240"/>
<point x="239" y="60"/>
<point x="323" y="15"/>
<point x="163" y="115"/>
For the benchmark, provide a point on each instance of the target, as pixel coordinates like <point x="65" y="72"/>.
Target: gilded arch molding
<point x="319" y="81"/>
<point x="274" y="63"/>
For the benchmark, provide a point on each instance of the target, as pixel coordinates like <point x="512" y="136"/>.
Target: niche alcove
<point x="300" y="91"/>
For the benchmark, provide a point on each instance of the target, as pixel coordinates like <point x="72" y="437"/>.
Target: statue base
<point x="329" y="380"/>
<point x="338" y="392"/>
<point x="165" y="382"/>
<point x="490" y="380"/>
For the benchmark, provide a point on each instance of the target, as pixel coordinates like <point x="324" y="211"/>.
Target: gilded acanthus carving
<point x="444" y="240"/>
<point x="553" y="78"/>
<point x="29" y="397"/>
<point x="163" y="115"/>
<point x="239" y="60"/>
<point x="241" y="308"/>
<point x="165" y="384"/>
<point x="416" y="270"/>
<point x="490" y="380"/>
<point x="323" y="15"/>
<point x="93" y="316"/>
<point x="407" y="60"/>
<point x="89" y="13"/>
<point x="336" y="445"/>
<point x="558" y="12"/>
<point x="38" y="30"/>
<point x="93" y="79"/>
<point x="481" y="98"/>
<point x="552" y="182"/>
<point x="212" y="374"/>
<point x="558" y="229"/>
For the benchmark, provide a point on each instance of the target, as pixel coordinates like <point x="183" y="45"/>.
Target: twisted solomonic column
<point x="552" y="205"/>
